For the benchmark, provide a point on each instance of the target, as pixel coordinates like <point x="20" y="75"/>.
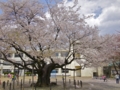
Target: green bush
<point x="12" y="73"/>
<point x="28" y="73"/>
<point x="5" y="73"/>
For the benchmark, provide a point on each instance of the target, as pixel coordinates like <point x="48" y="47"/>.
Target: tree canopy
<point x="39" y="30"/>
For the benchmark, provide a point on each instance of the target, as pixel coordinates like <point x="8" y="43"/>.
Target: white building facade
<point x="6" y="67"/>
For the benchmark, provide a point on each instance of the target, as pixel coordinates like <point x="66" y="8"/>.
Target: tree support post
<point x="32" y="77"/>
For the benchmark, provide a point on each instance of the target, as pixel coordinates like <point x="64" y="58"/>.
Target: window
<point x="17" y="54"/>
<point x="55" y="71"/>
<point x="19" y="62"/>
<point x="77" y="55"/>
<point x="56" y="54"/>
<point x="0" y="55"/>
<point x="16" y="71"/>
<point x="7" y="63"/>
<point x="64" y="54"/>
<point x="65" y="71"/>
<point x="9" y="55"/>
<point x="6" y="71"/>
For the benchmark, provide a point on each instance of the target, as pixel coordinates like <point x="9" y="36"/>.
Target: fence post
<point x="56" y="81"/>
<point x="50" y="87"/>
<point x="13" y="84"/>
<point x="78" y="82"/>
<point x="69" y="81"/>
<point x="7" y="82"/>
<point x="35" y="87"/>
<point x="75" y="83"/>
<point x="0" y="82"/>
<point x="3" y="84"/>
<point x="21" y="84"/>
<point x="81" y="84"/>
<point x="63" y="82"/>
<point x="29" y="81"/>
<point x="17" y="82"/>
<point x="10" y="86"/>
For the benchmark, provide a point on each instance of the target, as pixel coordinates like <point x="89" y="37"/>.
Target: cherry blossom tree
<point x="39" y="30"/>
<point x="109" y="52"/>
<point x="115" y="57"/>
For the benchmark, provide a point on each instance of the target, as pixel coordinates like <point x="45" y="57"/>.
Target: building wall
<point x="100" y="71"/>
<point x="86" y="72"/>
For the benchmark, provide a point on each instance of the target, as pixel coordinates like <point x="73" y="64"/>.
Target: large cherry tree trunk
<point x="44" y="75"/>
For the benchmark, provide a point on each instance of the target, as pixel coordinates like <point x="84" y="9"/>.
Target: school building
<point x="6" y="67"/>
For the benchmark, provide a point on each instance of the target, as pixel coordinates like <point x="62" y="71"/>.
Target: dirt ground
<point x="87" y="84"/>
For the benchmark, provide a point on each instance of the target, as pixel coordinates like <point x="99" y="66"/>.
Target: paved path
<point x="100" y="85"/>
<point x="88" y="84"/>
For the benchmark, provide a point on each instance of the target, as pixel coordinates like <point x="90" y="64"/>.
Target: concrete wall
<point x="87" y="72"/>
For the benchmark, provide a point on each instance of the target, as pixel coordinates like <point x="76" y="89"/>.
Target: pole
<point x="32" y="77"/>
<point x="74" y="78"/>
<point x="18" y="76"/>
<point x="65" y="76"/>
<point x="14" y="79"/>
<point x="24" y="78"/>
<point x="0" y="71"/>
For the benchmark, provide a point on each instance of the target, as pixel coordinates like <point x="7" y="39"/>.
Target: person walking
<point x="14" y="78"/>
<point x="9" y="75"/>
<point x="117" y="78"/>
<point x="104" y="78"/>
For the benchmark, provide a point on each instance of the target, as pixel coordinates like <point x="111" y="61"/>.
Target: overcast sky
<point x="106" y="13"/>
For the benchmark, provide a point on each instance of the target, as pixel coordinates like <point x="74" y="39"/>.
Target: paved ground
<point x="100" y="85"/>
<point x="88" y="84"/>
